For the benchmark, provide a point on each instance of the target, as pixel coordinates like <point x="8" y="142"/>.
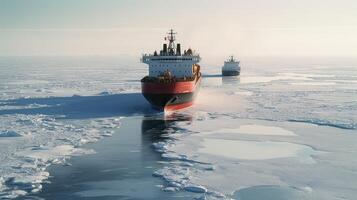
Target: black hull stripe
<point x="230" y="73"/>
<point x="162" y="100"/>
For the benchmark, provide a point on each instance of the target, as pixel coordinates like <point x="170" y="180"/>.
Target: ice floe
<point x="9" y="133"/>
<point x="195" y="188"/>
<point x="255" y="129"/>
<point x="253" y="150"/>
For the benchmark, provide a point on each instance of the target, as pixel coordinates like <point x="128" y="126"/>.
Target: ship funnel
<point x="178" y="50"/>
<point x="164" y="49"/>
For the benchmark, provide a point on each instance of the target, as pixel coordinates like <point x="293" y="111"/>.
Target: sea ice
<point x="256" y="152"/>
<point x="45" y="140"/>
<point x="278" y="154"/>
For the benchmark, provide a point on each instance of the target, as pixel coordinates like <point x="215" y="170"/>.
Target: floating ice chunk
<point x="175" y="184"/>
<point x="171" y="156"/>
<point x="307" y="189"/>
<point x="107" y="133"/>
<point x="37" y="189"/>
<point x="88" y="140"/>
<point x="174" y="176"/>
<point x="157" y="174"/>
<point x="9" y="133"/>
<point x="170" y="189"/>
<point x="174" y="156"/>
<point x="15" y="193"/>
<point x="195" y="188"/>
<point x="217" y="194"/>
<point x="47" y="154"/>
<point x="104" y="93"/>
<point x="253" y="150"/>
<point x="2" y="183"/>
<point x="186" y="164"/>
<point x="160" y="146"/>
<point x="81" y="151"/>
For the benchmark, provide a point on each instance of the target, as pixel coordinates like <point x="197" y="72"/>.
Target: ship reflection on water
<point x="230" y="80"/>
<point x="156" y="128"/>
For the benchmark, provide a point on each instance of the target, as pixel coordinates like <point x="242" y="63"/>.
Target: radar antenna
<point x="171" y="38"/>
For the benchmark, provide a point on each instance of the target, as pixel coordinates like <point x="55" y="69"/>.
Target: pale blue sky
<point x="213" y="27"/>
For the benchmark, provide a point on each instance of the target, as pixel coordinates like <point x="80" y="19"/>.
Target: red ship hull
<point x="171" y="96"/>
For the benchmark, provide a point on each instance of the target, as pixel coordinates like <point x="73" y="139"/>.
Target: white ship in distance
<point x="231" y="67"/>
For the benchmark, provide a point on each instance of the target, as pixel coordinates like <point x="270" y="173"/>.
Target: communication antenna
<point x="171" y="38"/>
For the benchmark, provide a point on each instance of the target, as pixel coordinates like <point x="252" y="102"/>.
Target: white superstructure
<point x="171" y="60"/>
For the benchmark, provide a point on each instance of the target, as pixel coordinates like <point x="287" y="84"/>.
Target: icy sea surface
<point x="276" y="132"/>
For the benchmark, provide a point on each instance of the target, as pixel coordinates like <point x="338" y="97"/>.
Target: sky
<point x="214" y="28"/>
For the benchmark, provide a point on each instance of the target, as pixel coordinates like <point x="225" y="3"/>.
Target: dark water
<point x="121" y="169"/>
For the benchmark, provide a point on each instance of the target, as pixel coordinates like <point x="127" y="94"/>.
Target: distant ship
<point x="231" y="67"/>
<point x="174" y="77"/>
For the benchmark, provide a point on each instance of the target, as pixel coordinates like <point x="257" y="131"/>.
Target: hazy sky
<point x="213" y="27"/>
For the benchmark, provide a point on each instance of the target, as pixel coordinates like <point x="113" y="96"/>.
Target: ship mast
<point x="231" y="59"/>
<point x="171" y="38"/>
